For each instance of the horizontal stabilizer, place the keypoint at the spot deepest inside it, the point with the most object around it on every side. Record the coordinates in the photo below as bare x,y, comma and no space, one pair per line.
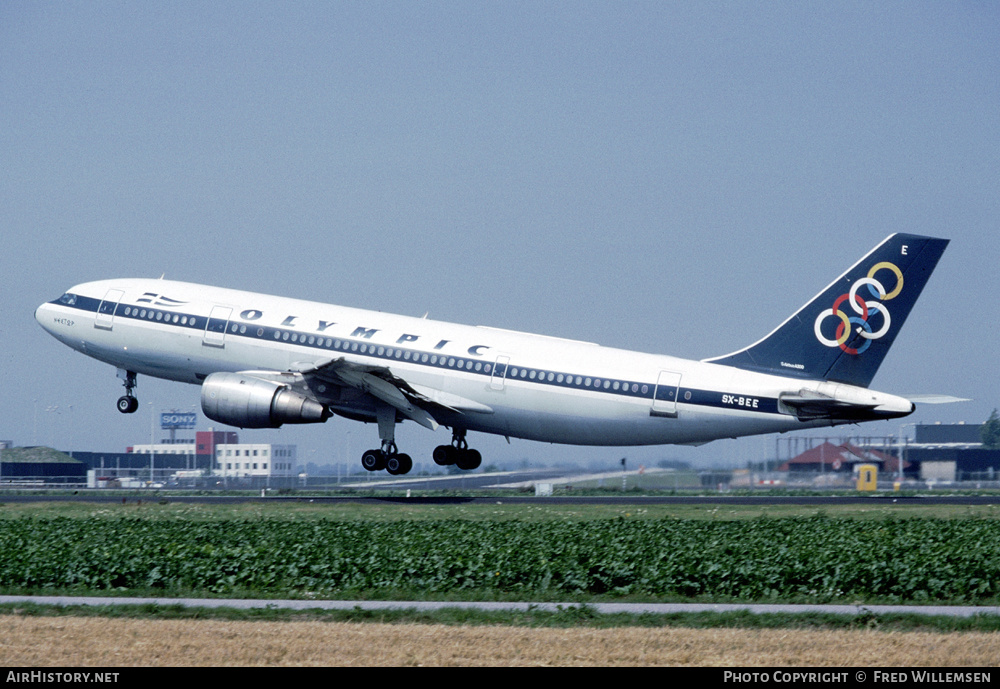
935,399
811,405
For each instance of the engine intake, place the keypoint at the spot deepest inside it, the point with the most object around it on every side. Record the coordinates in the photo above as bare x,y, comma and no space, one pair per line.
248,402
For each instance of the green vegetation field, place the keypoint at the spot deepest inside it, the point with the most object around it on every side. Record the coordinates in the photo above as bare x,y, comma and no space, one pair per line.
501,552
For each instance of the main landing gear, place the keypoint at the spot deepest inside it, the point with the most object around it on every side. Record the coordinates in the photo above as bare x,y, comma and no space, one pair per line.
397,463
127,403
458,453
387,458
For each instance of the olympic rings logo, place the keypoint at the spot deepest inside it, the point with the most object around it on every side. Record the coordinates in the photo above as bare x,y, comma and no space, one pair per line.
859,323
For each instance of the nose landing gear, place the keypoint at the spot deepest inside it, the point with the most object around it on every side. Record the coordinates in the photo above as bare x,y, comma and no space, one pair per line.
127,403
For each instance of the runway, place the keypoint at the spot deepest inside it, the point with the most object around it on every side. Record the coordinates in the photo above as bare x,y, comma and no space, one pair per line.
102,496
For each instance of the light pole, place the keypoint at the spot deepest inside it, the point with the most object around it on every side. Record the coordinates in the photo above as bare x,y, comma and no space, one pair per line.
152,420
51,409
901,455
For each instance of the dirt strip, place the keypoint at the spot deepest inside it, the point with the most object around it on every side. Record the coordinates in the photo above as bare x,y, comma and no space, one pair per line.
98,642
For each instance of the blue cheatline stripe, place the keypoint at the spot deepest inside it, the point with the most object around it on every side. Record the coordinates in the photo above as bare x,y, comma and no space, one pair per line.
361,347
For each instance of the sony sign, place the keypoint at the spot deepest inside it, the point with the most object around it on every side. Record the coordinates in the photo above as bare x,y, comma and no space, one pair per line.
178,420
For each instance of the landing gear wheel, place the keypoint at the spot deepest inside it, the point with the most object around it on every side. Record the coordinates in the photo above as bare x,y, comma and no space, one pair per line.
444,455
458,453
373,460
468,460
399,464
388,456
127,404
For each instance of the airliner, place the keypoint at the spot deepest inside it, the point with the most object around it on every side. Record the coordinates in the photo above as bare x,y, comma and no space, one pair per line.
263,361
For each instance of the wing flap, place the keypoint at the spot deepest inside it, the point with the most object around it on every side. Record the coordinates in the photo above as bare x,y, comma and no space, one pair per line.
388,393
377,381
451,401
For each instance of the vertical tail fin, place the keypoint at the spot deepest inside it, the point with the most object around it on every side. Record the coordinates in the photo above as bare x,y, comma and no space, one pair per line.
845,331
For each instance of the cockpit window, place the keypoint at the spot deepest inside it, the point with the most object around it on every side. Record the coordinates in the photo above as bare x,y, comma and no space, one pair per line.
68,299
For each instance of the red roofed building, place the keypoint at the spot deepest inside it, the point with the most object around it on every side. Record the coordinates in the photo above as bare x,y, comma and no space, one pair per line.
839,458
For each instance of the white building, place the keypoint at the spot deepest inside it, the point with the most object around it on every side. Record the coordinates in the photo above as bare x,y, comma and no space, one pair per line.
254,460
233,460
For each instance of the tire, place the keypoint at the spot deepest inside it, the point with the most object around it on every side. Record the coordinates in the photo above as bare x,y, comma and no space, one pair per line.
444,455
399,464
373,460
469,460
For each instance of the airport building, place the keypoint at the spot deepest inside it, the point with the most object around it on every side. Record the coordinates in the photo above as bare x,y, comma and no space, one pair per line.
843,457
183,456
221,454
952,452
936,453
209,459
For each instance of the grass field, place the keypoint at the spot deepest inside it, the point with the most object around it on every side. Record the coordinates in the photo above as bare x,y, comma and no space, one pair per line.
260,548
161,507
882,553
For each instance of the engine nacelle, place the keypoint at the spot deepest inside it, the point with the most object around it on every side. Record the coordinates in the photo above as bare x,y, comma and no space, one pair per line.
248,402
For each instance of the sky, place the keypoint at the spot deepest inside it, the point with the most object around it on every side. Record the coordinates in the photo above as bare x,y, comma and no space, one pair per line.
670,177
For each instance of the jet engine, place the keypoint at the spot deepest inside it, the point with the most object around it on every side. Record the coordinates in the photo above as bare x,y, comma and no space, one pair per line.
240,400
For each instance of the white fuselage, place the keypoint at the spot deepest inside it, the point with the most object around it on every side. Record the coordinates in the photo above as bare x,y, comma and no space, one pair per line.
496,381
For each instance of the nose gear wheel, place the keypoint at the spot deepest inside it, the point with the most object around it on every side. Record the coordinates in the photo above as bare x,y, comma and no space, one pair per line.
127,403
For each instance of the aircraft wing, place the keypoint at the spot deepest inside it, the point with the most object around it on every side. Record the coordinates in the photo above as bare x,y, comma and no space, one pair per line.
416,402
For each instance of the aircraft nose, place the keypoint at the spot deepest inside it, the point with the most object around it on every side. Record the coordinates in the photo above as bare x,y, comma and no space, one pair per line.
40,315
43,314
